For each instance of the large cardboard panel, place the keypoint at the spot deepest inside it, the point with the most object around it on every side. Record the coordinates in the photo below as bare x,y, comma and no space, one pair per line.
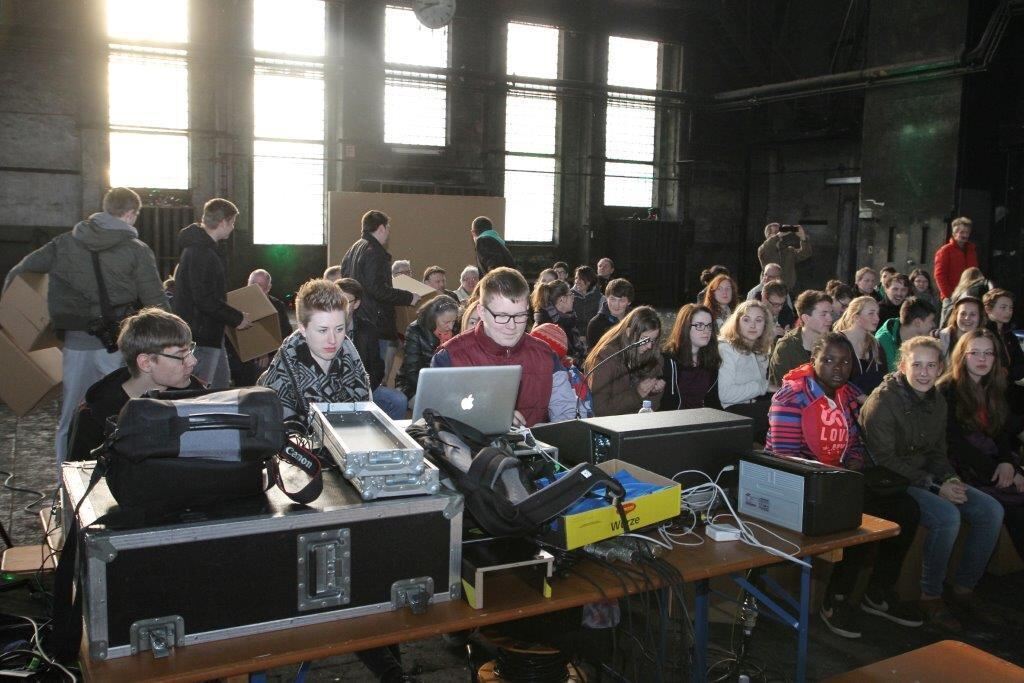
24,312
427,230
265,334
404,315
28,377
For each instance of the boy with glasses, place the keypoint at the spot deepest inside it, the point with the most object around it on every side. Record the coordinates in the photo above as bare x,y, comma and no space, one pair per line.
504,309
159,354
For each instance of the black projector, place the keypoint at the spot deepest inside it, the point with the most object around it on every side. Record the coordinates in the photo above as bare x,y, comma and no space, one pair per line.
665,442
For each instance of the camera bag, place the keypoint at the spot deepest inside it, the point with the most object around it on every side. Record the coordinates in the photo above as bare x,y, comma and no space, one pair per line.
503,496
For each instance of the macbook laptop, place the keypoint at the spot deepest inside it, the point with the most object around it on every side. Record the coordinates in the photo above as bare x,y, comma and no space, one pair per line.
483,397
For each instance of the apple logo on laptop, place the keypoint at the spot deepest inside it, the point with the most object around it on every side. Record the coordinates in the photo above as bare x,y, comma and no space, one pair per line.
467,403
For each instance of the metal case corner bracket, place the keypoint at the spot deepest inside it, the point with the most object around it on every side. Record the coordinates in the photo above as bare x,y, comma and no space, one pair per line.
159,635
415,593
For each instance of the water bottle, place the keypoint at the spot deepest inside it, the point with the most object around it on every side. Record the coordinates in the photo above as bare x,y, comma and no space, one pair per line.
646,408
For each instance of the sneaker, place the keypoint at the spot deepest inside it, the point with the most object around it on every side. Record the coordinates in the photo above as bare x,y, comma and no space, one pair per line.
937,614
886,604
839,617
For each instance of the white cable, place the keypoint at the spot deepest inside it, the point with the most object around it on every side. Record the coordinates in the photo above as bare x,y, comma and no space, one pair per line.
38,649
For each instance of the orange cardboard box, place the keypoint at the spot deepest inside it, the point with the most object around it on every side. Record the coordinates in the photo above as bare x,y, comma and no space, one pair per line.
29,377
24,313
265,334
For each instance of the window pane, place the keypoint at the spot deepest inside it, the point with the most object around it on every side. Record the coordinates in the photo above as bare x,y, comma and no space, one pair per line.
289,26
288,193
147,90
628,184
632,63
164,21
532,50
629,132
529,199
149,160
407,41
415,112
288,106
530,124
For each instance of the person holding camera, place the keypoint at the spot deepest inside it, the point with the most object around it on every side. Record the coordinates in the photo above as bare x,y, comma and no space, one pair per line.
107,241
778,248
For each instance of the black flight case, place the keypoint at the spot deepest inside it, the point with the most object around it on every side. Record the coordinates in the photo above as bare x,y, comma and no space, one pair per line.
259,565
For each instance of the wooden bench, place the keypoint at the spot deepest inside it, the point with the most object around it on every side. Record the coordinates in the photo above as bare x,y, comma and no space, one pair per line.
947,660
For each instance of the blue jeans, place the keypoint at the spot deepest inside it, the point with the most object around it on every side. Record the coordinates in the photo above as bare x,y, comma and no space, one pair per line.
942,518
392,401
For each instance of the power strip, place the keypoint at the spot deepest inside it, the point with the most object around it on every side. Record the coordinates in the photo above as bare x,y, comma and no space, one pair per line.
722,532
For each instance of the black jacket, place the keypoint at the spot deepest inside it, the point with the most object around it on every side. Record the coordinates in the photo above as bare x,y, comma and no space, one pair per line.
103,399
673,397
369,263
420,345
585,305
973,453
599,324
200,288
491,254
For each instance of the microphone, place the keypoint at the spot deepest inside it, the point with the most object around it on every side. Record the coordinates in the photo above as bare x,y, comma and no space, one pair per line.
639,342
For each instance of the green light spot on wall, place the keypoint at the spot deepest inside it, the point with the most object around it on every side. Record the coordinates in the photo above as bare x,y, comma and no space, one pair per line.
281,256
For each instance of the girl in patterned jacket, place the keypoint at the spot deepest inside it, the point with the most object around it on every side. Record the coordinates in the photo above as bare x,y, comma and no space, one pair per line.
318,362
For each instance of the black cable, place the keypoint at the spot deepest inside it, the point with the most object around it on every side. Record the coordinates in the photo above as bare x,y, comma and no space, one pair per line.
531,667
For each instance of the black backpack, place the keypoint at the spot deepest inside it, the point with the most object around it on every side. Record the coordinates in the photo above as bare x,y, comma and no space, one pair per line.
501,491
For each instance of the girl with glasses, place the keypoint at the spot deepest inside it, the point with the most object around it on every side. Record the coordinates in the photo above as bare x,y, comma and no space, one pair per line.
691,361
981,446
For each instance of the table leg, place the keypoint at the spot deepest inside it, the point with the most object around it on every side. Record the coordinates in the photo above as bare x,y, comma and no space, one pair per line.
700,633
805,608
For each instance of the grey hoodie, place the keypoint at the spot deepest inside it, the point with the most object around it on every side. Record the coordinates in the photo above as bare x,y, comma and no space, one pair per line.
127,263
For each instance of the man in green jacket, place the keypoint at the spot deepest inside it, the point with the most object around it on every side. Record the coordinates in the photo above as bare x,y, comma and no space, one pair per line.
917,318
129,274
794,348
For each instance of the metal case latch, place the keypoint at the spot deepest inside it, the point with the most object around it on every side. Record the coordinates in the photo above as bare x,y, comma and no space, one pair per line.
324,561
158,635
414,593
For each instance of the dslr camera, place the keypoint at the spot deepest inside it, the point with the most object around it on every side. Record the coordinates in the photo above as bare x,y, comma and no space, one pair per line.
106,331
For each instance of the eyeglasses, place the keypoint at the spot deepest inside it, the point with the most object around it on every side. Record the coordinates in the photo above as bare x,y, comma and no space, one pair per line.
981,354
700,327
506,318
190,352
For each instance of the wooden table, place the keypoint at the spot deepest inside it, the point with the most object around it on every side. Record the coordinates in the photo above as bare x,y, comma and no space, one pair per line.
507,601
947,660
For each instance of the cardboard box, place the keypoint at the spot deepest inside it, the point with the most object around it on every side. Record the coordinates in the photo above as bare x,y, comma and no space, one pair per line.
265,334
575,530
25,314
29,377
404,315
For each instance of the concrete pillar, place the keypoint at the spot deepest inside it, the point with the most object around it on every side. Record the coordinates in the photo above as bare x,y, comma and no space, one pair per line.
911,136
